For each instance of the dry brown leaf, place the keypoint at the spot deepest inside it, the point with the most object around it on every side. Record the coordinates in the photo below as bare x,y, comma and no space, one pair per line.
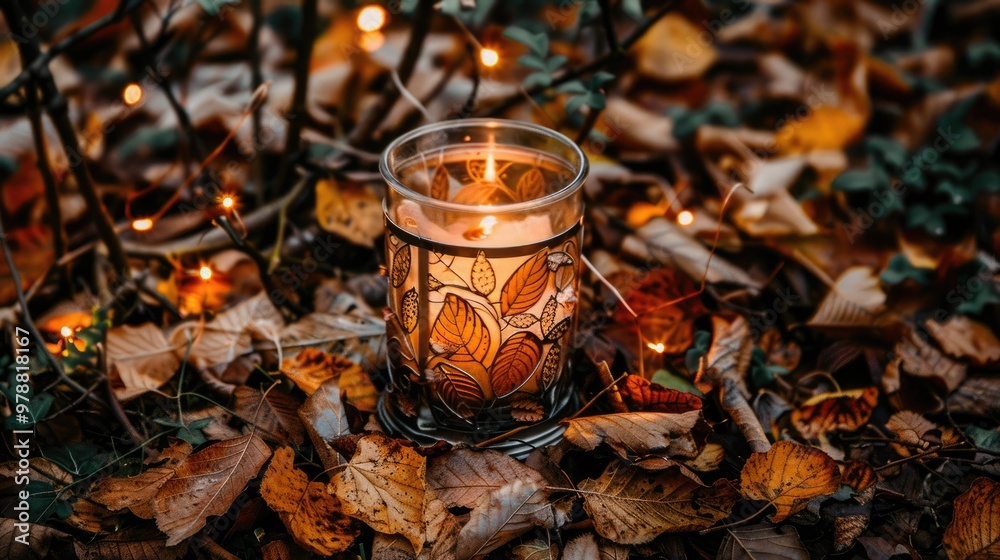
502,515
537,549
350,210
40,540
273,412
729,355
230,334
142,359
358,390
917,434
634,434
828,412
674,50
384,486
632,506
763,542
311,367
920,359
788,476
392,547
206,484
963,337
855,300
633,127
974,532
462,477
582,547
134,543
137,492
664,242
767,207
779,352
325,421
673,325
311,514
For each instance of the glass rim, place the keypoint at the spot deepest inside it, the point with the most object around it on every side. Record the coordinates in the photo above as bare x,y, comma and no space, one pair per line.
574,184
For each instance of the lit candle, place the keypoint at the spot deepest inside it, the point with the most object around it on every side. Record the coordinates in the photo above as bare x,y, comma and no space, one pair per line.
483,234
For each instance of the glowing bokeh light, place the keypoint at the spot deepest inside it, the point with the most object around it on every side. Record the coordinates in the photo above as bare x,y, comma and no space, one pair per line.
489,57
371,18
132,94
685,218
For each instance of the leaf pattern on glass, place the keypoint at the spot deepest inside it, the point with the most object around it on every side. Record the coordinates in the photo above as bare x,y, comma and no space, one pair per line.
400,266
440,184
433,283
531,185
459,332
525,287
408,308
477,194
484,280
559,329
459,390
522,320
557,259
550,367
549,314
515,362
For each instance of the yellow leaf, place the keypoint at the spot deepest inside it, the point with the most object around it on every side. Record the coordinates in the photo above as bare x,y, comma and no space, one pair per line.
825,128
974,533
788,476
349,210
674,49
358,390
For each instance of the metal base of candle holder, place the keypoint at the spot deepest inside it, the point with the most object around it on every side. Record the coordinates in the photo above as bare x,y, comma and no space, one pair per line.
423,430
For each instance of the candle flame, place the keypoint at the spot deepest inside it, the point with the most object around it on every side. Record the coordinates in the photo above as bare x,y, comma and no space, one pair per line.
487,225
490,174
205,273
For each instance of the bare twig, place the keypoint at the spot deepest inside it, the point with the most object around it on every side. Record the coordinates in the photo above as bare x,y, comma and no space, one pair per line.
30,52
45,169
390,94
299,112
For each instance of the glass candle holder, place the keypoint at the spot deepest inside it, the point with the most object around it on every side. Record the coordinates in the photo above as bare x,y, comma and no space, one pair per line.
483,233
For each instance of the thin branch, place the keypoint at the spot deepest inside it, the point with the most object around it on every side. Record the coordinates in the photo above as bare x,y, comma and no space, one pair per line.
57,107
390,94
45,169
592,66
297,117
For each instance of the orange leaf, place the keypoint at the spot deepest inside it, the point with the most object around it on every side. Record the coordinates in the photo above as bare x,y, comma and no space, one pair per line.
825,128
311,367
642,395
515,362
788,476
974,532
845,410
525,287
459,332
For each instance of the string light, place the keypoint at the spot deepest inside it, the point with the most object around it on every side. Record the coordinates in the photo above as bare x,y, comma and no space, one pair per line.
205,273
489,57
228,202
658,347
371,42
66,331
142,224
371,18
685,218
132,94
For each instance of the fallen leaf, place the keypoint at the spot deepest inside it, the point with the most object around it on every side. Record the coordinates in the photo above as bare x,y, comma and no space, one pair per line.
39,539
855,300
788,476
206,484
828,412
350,210
583,547
641,395
974,532
728,356
272,411
137,492
325,420
762,542
311,514
383,485
641,433
963,337
917,434
978,395
142,359
134,543
672,325
358,390
33,252
311,367
673,50
824,128
920,359
632,506
502,515
230,334
537,549
462,477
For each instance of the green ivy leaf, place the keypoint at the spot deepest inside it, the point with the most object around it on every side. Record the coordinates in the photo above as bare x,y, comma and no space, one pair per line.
573,86
899,270
537,42
555,62
986,439
633,9
889,152
532,60
762,374
541,79
982,53
673,381
957,194
858,180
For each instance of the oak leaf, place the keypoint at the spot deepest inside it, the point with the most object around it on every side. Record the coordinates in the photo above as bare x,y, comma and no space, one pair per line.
974,532
384,486
633,506
788,476
142,359
641,433
206,484
311,514
828,412
502,515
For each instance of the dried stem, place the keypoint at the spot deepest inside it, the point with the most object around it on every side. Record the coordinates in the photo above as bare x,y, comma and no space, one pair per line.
299,112
45,169
390,94
737,407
